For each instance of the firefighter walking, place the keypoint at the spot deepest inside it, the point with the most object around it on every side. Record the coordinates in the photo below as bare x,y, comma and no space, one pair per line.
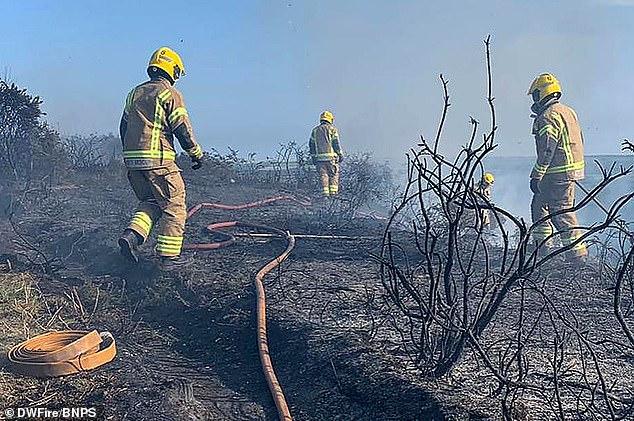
153,115
560,163
326,153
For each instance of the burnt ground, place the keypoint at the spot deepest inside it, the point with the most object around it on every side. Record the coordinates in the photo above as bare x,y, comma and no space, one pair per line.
186,341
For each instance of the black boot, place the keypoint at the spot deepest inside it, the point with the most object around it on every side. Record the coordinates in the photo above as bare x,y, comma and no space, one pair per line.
175,263
129,245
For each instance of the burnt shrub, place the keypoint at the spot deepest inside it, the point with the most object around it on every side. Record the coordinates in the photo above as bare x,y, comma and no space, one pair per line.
92,151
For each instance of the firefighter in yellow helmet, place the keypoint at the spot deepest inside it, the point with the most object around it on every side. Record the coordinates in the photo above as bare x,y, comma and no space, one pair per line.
326,153
484,187
153,115
560,163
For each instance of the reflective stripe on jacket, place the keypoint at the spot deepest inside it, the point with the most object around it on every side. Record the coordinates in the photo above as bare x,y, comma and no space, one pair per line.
559,144
324,142
153,110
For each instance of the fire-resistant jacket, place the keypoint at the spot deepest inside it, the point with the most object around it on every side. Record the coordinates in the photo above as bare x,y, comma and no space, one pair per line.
485,189
559,144
153,111
324,142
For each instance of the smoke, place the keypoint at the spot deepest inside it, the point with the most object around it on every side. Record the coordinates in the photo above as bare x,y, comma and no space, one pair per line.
511,190
377,67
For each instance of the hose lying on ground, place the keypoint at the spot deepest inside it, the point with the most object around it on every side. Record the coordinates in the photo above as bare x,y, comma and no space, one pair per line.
263,348
63,352
303,202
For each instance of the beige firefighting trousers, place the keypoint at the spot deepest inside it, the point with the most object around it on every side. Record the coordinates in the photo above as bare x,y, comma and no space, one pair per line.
555,197
329,177
162,195
485,217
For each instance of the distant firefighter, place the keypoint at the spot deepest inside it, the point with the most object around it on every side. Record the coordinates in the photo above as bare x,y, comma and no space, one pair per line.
560,163
154,113
326,153
484,187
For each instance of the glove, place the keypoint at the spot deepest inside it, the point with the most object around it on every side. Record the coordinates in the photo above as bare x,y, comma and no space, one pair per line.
198,163
340,158
195,153
535,186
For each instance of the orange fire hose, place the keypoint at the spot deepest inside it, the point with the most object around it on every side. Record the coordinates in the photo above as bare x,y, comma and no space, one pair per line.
303,202
263,348
62,353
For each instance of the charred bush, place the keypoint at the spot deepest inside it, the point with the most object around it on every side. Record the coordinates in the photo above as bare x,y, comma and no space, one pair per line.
364,184
288,168
449,285
93,151
291,166
222,167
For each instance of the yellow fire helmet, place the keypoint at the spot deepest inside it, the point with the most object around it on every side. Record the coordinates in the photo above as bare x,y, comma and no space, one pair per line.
169,61
488,178
327,116
544,85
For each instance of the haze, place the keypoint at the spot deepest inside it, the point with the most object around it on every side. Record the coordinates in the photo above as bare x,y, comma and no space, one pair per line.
259,72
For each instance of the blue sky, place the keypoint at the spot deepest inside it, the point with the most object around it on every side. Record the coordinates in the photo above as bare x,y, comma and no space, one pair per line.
259,72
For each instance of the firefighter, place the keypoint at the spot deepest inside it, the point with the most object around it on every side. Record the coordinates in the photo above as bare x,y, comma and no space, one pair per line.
484,188
326,153
153,115
560,163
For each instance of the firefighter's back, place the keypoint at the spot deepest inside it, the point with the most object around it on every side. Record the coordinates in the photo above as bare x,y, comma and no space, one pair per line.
568,160
142,113
323,136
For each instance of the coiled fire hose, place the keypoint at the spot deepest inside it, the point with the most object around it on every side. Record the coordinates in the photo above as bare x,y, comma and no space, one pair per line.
61,353
263,348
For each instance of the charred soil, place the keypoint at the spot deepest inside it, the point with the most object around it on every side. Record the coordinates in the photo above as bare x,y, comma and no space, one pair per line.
187,341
